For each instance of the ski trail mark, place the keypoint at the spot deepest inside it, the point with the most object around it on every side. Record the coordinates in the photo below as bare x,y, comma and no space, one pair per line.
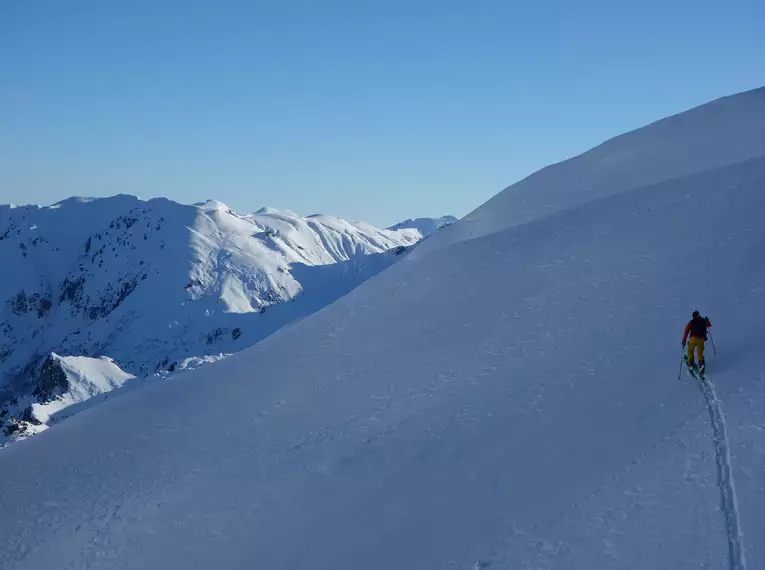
728,500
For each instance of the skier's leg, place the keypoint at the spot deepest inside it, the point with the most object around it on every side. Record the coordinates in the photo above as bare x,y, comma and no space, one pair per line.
691,351
700,351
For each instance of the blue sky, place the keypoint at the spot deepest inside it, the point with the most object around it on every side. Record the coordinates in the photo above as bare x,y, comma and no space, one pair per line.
375,110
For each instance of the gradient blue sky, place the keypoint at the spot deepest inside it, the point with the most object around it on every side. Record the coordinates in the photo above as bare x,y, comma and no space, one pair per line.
375,110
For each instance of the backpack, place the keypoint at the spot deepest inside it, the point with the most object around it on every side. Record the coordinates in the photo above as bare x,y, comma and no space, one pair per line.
699,327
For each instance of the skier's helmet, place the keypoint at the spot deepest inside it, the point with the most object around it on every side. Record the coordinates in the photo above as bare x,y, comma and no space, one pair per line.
696,314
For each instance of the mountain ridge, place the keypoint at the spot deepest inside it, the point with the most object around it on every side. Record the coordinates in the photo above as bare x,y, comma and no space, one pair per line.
159,286
674,145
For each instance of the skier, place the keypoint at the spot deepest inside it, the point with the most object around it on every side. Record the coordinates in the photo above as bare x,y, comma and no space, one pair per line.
697,328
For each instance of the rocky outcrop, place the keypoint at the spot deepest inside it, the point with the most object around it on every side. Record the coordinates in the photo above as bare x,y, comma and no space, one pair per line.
51,382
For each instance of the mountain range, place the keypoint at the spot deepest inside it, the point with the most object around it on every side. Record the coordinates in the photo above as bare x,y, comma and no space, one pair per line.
157,287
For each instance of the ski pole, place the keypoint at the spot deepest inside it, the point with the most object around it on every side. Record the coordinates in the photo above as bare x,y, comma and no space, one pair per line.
713,343
679,372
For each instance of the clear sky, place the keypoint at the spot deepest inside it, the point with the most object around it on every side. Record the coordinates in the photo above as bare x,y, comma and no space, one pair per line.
367,109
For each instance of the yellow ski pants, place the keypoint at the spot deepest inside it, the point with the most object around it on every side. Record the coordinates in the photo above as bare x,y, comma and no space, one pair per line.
697,344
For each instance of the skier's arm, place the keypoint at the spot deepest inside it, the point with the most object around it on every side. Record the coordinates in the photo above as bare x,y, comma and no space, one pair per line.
709,323
687,331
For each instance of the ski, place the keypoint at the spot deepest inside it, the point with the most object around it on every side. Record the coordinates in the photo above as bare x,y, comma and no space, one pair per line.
697,374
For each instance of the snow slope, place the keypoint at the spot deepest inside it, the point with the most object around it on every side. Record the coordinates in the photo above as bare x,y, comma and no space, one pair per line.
509,401
722,132
160,286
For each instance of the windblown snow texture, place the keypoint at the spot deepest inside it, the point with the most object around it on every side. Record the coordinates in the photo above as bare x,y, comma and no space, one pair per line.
506,401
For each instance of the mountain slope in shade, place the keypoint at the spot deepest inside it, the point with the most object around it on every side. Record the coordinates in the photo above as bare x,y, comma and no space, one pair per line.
159,286
510,401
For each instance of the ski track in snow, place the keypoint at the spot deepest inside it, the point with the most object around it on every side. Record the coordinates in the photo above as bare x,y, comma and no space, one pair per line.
728,500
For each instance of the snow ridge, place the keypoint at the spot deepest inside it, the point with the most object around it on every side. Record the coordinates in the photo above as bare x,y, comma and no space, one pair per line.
426,226
728,499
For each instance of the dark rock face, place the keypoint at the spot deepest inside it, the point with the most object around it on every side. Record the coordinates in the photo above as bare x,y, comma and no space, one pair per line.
113,298
28,417
43,308
71,290
19,303
214,335
51,382
5,351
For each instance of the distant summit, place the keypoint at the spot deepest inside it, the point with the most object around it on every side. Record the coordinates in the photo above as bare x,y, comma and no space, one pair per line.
426,226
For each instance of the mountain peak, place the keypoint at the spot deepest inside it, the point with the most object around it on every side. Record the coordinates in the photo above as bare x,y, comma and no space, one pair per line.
213,206
426,226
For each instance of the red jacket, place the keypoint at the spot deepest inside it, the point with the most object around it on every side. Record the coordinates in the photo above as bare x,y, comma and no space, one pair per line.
690,324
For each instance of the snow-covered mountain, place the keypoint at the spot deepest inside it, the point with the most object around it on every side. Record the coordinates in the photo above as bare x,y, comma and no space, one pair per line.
672,147
508,401
72,380
425,226
159,286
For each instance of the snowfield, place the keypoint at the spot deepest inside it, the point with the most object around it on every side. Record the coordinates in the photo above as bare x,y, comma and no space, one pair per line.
505,397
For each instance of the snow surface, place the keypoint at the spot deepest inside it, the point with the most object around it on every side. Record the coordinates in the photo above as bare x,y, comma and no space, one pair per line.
426,226
160,286
509,401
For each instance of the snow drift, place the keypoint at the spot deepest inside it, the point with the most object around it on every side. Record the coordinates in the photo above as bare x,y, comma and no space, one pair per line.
509,401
